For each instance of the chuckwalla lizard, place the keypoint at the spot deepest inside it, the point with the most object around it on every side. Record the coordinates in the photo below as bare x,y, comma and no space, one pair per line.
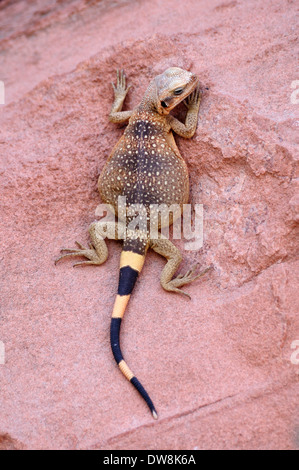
145,166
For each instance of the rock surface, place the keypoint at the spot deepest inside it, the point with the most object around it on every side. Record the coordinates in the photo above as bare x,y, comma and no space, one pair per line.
218,367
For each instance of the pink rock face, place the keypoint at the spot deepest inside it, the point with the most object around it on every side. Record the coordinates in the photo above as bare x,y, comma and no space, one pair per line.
222,368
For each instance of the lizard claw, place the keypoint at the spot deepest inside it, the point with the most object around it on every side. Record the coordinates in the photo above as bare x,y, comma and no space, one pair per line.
80,246
180,291
120,89
183,279
84,263
194,99
190,274
90,254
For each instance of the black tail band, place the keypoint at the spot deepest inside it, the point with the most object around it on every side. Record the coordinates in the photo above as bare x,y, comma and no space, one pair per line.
127,279
114,339
143,393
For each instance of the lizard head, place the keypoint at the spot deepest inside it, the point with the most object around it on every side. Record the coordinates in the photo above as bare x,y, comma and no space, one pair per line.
173,86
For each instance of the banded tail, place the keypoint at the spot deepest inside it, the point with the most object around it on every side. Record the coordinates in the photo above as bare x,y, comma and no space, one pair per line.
130,266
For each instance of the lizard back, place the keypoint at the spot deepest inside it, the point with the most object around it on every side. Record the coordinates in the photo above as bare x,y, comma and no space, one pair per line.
144,168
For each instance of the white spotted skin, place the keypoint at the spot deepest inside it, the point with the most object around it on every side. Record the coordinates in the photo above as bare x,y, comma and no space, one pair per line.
144,166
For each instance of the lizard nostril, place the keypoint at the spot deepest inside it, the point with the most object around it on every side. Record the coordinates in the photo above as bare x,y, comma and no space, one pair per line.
164,104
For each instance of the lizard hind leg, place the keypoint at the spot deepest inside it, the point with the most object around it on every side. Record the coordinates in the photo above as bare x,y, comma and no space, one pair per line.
166,248
97,253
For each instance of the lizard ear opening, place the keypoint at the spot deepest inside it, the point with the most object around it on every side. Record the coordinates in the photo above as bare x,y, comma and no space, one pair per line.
164,104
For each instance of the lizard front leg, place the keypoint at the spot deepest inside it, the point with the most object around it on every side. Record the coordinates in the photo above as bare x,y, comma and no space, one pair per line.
166,248
120,91
188,129
97,253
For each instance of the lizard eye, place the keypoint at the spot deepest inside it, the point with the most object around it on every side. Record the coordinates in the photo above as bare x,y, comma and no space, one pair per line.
178,91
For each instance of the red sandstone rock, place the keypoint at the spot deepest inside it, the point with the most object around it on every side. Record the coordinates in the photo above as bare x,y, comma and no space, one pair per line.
218,367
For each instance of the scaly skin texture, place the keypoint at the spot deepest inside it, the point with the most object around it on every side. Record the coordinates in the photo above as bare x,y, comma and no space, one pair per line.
146,167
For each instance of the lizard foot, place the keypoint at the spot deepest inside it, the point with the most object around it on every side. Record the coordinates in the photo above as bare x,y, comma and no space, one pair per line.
90,254
120,90
194,99
183,279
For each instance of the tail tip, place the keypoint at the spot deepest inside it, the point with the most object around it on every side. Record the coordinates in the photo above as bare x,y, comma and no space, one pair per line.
154,413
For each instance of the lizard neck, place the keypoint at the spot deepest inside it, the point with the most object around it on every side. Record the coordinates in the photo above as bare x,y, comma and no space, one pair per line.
148,102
